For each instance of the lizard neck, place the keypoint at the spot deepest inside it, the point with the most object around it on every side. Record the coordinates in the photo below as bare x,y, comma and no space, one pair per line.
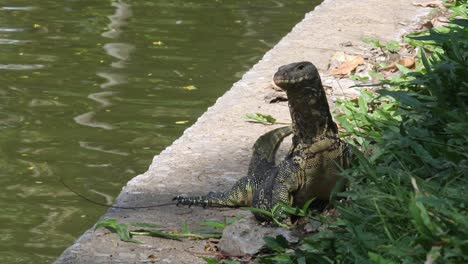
310,113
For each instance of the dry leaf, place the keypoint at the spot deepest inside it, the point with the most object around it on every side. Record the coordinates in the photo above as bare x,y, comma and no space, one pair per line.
181,122
189,88
348,66
407,62
436,22
339,56
439,22
435,3
427,25
212,245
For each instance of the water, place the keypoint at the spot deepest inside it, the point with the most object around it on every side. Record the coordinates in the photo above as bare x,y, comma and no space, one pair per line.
91,90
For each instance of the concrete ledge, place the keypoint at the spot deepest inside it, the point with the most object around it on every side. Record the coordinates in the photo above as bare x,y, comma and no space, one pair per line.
215,151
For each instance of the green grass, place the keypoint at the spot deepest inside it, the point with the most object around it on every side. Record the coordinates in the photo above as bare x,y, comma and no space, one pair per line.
126,232
407,200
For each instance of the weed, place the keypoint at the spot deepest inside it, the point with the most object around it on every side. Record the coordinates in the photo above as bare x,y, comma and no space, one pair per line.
126,233
407,195
261,118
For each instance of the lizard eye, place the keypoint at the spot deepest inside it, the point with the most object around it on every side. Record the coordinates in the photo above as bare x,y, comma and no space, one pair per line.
300,67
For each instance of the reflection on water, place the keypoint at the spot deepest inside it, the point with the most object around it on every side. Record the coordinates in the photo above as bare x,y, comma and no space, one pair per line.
11,29
20,66
118,19
120,51
12,41
91,90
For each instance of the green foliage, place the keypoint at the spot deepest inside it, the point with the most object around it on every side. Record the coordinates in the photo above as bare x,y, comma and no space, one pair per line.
280,212
214,261
210,260
392,46
275,214
407,195
223,224
121,229
358,78
147,229
261,118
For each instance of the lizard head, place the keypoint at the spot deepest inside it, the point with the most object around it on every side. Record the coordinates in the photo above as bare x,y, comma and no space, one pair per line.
296,75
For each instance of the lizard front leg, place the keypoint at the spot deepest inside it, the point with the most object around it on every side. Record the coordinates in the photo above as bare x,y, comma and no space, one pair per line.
278,188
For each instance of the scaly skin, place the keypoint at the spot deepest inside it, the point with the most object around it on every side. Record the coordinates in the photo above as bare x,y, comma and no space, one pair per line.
310,170
261,166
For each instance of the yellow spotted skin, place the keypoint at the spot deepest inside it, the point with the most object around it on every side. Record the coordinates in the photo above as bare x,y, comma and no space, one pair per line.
310,170
261,166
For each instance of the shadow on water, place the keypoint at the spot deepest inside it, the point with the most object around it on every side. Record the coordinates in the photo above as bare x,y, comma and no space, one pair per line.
91,90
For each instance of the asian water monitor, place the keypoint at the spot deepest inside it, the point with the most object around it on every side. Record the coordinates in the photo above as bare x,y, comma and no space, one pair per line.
311,168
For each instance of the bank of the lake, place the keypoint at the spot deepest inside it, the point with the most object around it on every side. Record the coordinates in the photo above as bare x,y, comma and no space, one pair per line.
215,151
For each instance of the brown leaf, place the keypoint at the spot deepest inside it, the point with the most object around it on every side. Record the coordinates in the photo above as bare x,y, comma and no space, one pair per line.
439,22
407,62
212,245
435,3
348,66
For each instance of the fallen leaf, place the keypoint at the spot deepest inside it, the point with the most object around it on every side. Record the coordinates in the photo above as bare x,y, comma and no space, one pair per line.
181,122
435,3
427,25
389,67
339,56
348,66
439,22
407,62
261,118
212,245
189,88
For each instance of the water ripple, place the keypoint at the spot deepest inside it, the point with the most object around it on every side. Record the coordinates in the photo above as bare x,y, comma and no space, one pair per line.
12,41
101,98
86,119
111,79
120,51
21,66
118,19
17,8
87,145
109,199
11,29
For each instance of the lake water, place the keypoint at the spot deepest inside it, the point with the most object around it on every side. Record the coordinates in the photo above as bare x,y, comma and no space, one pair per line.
90,91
